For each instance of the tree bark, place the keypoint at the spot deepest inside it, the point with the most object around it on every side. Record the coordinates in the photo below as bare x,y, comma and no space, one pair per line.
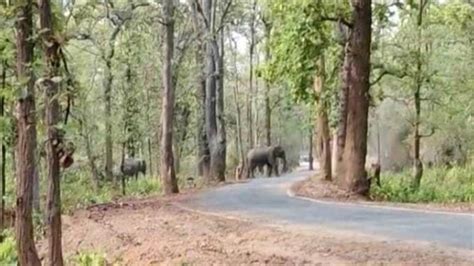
250,97
168,175
322,125
417,164
26,141
268,109
355,149
215,128
55,139
108,80
3,150
203,156
340,138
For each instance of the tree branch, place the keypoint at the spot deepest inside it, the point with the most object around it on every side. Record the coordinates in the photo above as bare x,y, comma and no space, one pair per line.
338,19
432,131
224,15
387,72
201,12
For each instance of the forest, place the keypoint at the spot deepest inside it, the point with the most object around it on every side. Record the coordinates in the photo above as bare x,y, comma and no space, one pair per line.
107,100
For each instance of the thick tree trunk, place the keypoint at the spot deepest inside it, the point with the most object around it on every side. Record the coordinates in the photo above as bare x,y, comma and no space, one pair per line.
355,149
108,80
322,125
221,130
26,141
55,139
203,155
168,175
215,128
340,137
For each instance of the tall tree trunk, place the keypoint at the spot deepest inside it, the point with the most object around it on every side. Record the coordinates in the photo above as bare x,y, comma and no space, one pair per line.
238,111
355,149
55,139
108,123
340,138
215,128
268,109
203,156
322,125
417,164
3,151
108,80
251,96
221,130
26,141
168,175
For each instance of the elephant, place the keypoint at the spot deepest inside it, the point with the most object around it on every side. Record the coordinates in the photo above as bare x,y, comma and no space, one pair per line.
132,166
261,156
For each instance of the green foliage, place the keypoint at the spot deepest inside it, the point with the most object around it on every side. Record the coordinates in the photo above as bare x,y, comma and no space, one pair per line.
143,187
8,254
441,185
298,41
89,259
78,192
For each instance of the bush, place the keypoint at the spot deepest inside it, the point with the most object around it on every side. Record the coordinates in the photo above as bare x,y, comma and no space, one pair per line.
78,192
8,250
440,184
89,259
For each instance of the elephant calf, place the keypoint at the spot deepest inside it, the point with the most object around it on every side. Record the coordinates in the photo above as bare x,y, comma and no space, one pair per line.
261,156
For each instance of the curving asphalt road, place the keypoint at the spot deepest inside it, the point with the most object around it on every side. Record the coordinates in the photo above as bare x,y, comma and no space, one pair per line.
267,198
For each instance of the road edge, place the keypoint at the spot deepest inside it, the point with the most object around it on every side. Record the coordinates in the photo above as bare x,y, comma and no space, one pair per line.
292,194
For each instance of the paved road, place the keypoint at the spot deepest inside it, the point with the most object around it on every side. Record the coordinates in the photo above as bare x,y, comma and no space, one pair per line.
267,198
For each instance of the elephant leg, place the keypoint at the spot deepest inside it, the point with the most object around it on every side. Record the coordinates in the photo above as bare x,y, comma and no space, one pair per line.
250,171
270,170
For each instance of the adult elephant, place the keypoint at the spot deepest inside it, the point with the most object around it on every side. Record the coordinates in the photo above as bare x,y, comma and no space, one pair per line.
261,156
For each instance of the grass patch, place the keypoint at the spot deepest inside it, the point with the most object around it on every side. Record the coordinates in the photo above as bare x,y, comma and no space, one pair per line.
439,185
89,259
8,254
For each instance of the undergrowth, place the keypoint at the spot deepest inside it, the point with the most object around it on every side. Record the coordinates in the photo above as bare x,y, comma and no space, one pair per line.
78,191
8,254
439,185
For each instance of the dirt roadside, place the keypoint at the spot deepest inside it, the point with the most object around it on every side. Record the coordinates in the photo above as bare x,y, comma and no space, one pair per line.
158,232
324,190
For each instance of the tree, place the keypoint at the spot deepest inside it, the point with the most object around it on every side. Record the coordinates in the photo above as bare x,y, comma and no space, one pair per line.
26,141
323,138
168,174
355,149
54,143
214,104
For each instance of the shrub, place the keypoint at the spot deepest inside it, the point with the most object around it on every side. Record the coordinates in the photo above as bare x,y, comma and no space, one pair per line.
440,184
8,254
89,259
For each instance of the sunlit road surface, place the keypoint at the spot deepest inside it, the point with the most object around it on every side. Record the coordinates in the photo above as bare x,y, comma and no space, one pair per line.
267,199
